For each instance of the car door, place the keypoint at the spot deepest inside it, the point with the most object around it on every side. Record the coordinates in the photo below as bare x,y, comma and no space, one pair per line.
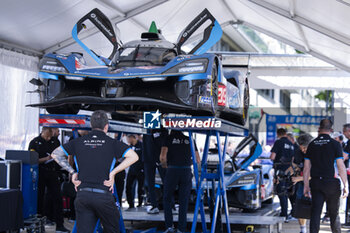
212,34
104,25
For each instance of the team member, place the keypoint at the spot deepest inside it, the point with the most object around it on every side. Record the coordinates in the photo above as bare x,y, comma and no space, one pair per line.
176,156
49,202
346,148
135,173
48,177
281,154
119,179
95,154
319,164
298,162
151,150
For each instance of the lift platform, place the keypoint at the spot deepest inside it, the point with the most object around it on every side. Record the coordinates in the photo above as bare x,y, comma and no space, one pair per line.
219,199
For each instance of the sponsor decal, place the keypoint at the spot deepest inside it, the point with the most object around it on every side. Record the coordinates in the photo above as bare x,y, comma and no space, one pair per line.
204,100
93,16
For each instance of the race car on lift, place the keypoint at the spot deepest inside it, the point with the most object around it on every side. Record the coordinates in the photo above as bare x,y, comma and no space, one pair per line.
145,75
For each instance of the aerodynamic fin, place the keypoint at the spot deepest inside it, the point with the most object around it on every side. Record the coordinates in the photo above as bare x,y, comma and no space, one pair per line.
255,151
103,25
210,36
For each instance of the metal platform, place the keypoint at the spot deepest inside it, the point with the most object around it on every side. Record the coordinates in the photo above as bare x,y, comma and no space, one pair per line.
264,217
219,199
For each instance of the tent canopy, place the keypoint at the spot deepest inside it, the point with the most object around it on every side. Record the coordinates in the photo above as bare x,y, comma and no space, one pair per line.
319,28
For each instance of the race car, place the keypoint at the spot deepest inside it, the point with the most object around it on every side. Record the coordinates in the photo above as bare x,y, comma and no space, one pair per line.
247,185
145,75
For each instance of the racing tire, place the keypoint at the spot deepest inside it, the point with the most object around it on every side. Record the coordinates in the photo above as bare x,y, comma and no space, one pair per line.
268,201
246,100
214,72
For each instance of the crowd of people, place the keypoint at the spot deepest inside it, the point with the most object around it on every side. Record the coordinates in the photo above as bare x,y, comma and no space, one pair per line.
66,172
313,169
95,164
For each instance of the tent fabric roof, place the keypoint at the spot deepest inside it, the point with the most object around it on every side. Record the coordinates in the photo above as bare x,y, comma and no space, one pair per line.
317,27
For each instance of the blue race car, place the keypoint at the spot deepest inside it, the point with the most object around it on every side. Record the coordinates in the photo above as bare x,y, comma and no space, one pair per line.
145,75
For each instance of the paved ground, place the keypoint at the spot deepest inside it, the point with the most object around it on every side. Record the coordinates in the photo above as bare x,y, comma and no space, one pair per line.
291,227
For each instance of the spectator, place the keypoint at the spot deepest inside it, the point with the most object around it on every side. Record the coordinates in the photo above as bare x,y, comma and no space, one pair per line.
298,162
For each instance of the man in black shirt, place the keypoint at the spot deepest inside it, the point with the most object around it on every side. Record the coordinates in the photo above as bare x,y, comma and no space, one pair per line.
152,144
135,173
282,153
176,156
96,154
48,177
320,157
346,148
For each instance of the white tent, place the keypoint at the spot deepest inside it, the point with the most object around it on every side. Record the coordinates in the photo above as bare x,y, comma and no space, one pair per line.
318,27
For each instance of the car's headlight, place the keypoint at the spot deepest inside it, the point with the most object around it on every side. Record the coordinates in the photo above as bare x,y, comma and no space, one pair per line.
75,78
228,168
50,64
191,66
244,180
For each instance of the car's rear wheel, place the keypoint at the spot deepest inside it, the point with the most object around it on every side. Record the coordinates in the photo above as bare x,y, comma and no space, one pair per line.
246,100
214,90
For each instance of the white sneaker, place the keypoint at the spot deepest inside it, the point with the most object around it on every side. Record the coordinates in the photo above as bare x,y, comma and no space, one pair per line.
153,210
175,210
170,230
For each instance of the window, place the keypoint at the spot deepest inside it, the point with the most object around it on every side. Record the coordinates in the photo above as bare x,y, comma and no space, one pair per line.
285,99
268,93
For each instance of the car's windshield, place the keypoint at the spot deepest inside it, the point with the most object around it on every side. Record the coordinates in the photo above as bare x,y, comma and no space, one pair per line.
144,56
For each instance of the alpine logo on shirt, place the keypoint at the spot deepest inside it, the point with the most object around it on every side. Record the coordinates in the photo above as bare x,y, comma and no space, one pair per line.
94,143
180,141
288,146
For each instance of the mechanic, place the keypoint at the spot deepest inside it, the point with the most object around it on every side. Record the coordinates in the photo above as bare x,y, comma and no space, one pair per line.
176,157
282,153
298,163
49,202
95,154
152,144
135,173
320,157
119,178
346,149
48,177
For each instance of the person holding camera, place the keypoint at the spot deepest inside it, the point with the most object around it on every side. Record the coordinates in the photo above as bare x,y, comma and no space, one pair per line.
281,154
320,157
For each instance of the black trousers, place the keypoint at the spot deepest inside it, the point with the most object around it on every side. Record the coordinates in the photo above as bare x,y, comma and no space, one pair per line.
119,181
49,180
150,173
131,186
181,178
90,207
325,190
282,191
347,209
